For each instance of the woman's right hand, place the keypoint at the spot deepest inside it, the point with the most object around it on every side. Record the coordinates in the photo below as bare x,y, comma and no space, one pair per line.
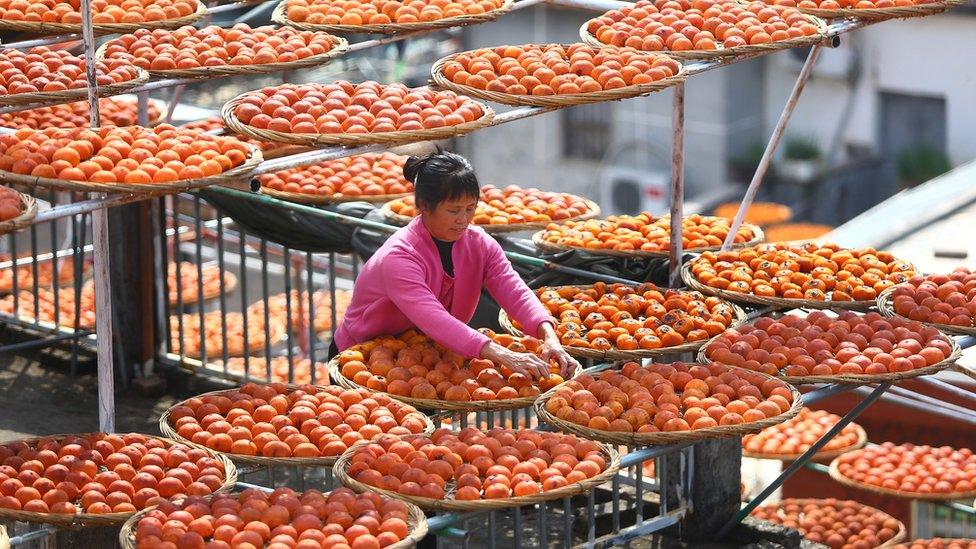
526,364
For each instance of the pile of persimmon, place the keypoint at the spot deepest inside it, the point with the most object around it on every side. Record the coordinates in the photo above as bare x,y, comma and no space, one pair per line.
683,25
188,288
377,12
278,307
212,123
133,155
361,175
815,272
797,435
557,69
939,543
52,308
786,232
939,299
832,522
512,205
41,69
495,464
846,4
823,345
102,473
62,11
44,269
644,232
257,369
626,318
669,397
413,365
344,107
219,327
276,421
10,204
340,519
760,213
911,469
190,48
113,111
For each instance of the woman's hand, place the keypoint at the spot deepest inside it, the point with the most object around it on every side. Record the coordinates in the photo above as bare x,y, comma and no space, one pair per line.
526,364
552,349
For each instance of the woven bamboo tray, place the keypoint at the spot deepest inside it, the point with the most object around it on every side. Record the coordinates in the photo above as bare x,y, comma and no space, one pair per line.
416,529
169,431
339,47
45,28
308,198
234,176
885,305
450,504
880,14
592,210
862,439
428,404
86,520
846,481
281,17
758,238
776,302
29,207
551,101
899,535
751,49
189,295
349,139
44,98
669,437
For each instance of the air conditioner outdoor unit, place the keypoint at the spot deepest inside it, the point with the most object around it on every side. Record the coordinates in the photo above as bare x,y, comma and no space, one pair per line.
629,191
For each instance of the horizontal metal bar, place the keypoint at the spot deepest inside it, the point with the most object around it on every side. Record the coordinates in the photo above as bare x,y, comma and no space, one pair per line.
86,206
647,527
916,405
934,402
45,342
43,532
249,486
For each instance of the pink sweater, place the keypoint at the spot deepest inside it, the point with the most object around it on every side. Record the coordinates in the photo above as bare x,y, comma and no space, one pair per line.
404,286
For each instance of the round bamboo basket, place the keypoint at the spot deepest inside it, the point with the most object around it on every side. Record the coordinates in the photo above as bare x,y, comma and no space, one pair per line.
322,139
450,504
551,101
28,213
280,16
169,431
751,49
308,198
862,439
885,305
899,535
230,177
86,520
189,295
47,98
863,379
428,404
664,437
339,47
45,28
758,238
776,302
592,210
880,14
846,481
416,529
965,541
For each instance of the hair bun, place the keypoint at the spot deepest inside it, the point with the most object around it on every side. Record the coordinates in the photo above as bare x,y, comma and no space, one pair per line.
413,166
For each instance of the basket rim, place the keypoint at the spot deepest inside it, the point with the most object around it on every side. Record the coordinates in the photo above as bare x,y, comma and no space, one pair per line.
40,99
862,440
886,306
613,465
593,210
280,16
26,217
932,496
879,14
48,28
898,537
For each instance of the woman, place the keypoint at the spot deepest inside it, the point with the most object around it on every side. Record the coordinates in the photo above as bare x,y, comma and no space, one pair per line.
429,275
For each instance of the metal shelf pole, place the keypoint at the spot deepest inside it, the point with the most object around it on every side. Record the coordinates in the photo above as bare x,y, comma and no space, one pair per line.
677,184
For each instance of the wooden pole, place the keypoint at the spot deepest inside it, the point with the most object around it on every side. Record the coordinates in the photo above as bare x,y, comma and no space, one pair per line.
677,184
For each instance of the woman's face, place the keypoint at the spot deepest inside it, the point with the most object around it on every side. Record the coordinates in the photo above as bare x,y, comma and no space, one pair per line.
450,218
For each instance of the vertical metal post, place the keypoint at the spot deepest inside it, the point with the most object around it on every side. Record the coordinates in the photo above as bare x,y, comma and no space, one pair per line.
677,184
774,140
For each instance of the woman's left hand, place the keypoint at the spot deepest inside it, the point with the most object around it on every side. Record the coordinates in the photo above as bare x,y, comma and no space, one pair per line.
552,349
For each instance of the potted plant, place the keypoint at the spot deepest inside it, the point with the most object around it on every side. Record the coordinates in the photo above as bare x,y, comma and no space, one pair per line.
802,159
919,164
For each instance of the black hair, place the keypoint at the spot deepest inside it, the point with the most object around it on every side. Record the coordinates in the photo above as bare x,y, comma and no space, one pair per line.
440,176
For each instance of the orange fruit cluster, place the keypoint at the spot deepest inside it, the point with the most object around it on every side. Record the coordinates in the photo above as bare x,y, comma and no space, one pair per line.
10,204
626,317
911,469
41,69
133,155
344,107
300,310
555,69
786,232
495,464
512,205
759,213
799,433
189,47
258,368
340,519
275,421
644,232
378,12
820,344
103,11
846,4
102,473
361,175
188,289
217,327
413,365
212,123
45,270
114,111
60,311
938,543
683,25
939,299
832,522
669,397
816,272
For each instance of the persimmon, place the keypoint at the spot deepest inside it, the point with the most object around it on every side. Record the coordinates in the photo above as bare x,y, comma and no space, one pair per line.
10,204
911,469
364,176
41,69
832,522
62,11
372,12
945,299
938,543
321,302
866,5
795,436
114,111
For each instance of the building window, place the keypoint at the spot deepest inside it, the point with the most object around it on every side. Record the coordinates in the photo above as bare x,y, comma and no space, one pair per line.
587,130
